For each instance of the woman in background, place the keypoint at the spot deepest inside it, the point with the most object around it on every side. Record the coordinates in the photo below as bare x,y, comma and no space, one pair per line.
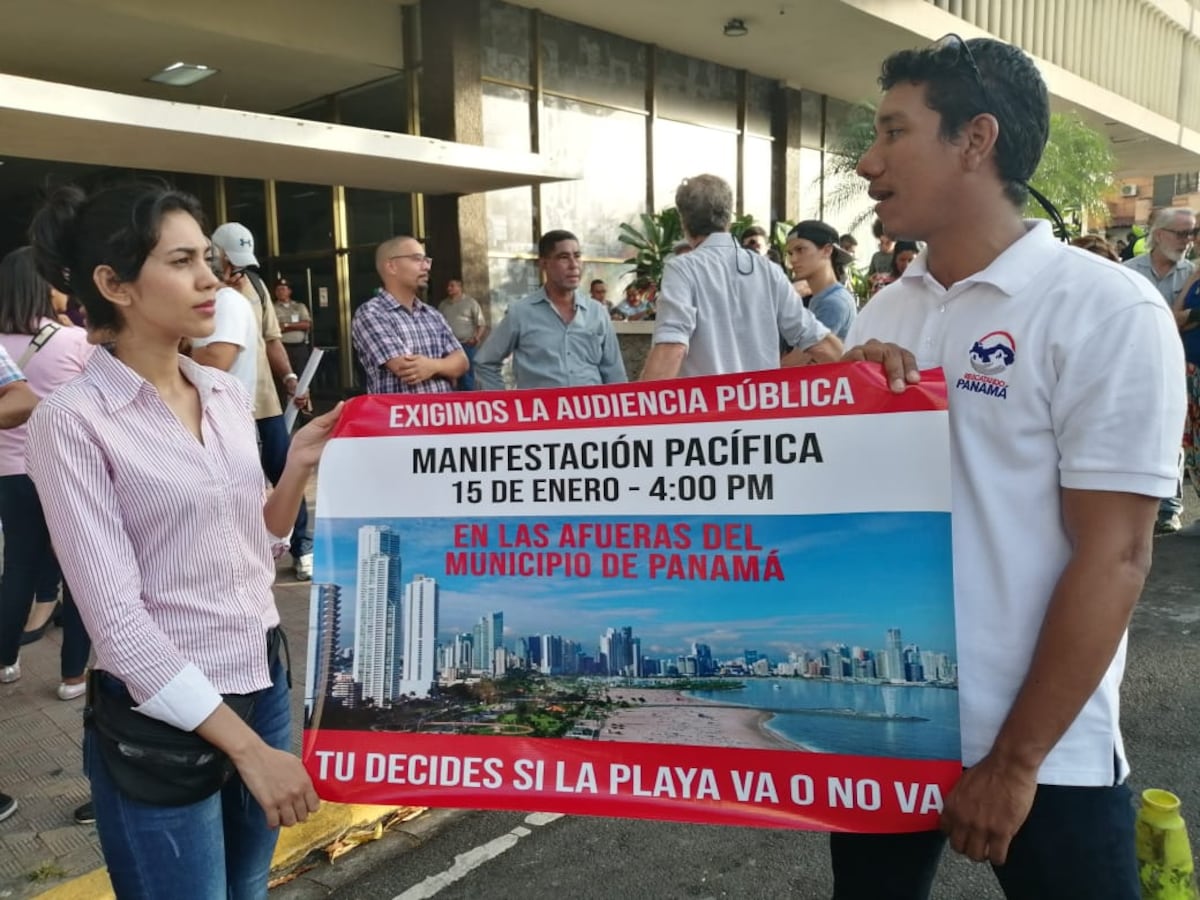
903,253
50,355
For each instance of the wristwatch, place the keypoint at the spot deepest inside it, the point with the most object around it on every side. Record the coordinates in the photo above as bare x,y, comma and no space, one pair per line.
290,376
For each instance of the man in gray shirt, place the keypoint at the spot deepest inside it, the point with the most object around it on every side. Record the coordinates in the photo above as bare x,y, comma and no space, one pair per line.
723,309
1171,235
558,336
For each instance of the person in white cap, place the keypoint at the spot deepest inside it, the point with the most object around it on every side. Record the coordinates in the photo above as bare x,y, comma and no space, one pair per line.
234,245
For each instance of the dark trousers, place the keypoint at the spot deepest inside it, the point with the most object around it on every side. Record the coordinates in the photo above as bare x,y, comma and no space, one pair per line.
1077,843
273,450
466,381
29,564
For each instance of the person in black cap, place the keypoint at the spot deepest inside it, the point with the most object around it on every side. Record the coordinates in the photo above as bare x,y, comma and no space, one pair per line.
816,256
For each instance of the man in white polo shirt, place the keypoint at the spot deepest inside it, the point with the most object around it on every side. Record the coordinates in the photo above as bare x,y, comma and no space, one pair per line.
1066,400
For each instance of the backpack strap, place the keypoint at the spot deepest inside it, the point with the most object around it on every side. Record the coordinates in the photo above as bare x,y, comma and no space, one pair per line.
40,340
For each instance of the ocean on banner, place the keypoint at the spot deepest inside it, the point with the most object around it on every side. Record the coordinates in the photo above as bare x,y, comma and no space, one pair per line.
913,721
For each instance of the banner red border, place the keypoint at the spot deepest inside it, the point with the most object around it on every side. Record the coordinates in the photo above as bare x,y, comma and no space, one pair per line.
409,756
802,392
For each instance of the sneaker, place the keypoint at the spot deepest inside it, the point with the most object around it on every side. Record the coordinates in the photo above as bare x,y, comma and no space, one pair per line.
71,691
8,806
9,674
304,567
1170,525
86,814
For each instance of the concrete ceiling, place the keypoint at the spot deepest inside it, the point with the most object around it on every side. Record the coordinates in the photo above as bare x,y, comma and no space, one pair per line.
277,54
45,120
835,47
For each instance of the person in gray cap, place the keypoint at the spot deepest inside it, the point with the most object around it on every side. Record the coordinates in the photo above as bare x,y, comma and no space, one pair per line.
233,247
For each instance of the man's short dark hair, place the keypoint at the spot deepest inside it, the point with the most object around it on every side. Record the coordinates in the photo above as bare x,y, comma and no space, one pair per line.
596,281
848,239
552,239
753,231
1015,94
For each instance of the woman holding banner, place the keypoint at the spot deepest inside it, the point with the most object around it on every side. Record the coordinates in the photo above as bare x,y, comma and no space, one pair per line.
147,468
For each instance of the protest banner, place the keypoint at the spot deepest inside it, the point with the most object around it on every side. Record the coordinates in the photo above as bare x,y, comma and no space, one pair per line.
723,599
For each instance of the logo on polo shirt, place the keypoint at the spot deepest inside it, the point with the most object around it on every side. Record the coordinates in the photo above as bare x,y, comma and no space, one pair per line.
990,357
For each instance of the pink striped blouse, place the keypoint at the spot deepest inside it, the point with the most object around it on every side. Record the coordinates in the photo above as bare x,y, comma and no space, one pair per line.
160,536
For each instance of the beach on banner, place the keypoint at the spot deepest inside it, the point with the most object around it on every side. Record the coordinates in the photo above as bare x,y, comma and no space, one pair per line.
671,717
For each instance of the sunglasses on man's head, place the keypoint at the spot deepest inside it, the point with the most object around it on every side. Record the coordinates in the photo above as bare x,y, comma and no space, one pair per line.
953,43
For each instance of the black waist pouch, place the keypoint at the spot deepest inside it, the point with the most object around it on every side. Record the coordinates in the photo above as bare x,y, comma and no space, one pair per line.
151,761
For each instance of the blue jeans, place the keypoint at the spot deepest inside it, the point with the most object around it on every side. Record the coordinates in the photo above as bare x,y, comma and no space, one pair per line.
1076,842
217,849
273,449
466,381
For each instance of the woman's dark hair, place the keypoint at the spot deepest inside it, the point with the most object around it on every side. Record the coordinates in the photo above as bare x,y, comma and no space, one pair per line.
118,226
24,294
902,247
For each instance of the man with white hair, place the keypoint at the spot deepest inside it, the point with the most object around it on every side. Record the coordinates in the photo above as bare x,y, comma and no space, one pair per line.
723,308
1171,235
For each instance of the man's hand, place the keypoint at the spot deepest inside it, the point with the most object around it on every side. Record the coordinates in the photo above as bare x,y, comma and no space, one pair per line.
414,368
987,807
899,365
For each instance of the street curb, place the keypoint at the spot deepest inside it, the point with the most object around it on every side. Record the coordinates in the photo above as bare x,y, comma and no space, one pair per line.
327,825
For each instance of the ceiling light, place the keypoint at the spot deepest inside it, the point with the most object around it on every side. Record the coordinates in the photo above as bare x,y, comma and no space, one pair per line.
182,74
736,28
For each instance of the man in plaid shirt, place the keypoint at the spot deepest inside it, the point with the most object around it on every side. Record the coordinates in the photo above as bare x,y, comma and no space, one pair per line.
404,344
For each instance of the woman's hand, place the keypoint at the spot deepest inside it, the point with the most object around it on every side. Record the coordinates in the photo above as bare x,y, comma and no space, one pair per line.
309,442
280,784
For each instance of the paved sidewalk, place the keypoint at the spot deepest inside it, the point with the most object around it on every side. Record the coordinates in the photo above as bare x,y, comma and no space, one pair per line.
40,735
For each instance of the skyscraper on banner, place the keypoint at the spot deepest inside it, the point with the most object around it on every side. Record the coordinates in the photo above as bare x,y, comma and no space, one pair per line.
377,646
420,636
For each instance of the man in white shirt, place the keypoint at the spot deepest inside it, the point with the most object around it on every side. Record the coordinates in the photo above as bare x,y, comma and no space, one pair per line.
233,345
723,308
1066,399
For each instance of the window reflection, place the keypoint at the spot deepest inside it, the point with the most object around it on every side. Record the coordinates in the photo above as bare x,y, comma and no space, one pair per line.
811,168
584,62
609,147
682,150
375,216
756,182
380,105
504,36
305,217
246,202
695,90
510,279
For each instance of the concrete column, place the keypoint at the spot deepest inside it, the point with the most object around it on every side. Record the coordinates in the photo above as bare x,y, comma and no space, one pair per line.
451,97
785,156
